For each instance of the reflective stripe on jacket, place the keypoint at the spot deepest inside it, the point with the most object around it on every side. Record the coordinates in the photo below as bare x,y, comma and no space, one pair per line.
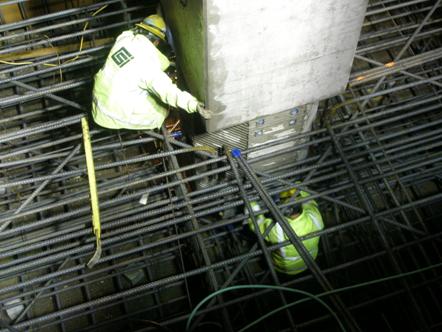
132,91
287,259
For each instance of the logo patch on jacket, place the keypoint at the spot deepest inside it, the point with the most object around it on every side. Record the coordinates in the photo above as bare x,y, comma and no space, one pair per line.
121,57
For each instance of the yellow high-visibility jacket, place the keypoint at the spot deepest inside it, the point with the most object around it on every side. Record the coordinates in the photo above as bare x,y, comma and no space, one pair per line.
287,259
132,90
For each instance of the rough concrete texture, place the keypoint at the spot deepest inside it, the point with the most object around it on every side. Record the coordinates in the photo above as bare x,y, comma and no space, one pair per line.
251,43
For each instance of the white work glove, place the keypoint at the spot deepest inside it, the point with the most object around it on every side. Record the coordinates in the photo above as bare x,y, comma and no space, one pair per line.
205,113
254,205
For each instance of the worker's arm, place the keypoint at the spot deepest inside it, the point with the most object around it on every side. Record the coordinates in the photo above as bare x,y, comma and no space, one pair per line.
311,209
162,86
262,221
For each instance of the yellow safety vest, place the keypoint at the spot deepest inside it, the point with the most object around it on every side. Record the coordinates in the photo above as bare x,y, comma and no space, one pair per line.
287,259
132,91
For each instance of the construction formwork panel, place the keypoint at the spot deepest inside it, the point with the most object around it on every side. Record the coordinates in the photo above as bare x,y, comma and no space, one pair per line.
235,54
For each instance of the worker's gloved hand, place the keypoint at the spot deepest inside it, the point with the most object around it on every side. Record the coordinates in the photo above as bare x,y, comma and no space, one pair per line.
255,206
205,113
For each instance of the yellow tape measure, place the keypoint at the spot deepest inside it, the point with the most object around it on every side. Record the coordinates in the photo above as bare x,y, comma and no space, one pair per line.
93,191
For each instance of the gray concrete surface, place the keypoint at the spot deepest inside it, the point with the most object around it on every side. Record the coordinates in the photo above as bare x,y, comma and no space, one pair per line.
248,46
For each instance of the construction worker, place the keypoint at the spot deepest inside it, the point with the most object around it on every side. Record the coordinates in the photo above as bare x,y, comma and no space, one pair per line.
132,90
287,259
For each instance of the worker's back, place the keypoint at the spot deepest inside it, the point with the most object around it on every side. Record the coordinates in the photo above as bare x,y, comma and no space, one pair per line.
121,99
287,259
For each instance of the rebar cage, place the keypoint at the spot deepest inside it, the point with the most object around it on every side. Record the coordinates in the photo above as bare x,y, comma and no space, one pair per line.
374,167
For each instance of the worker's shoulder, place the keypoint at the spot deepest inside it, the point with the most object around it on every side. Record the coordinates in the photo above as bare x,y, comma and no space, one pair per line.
139,51
127,34
305,218
129,37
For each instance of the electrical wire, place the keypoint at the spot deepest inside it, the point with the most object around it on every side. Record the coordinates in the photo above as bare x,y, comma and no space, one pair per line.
25,63
58,58
216,324
13,63
289,305
310,296
292,290
22,63
82,37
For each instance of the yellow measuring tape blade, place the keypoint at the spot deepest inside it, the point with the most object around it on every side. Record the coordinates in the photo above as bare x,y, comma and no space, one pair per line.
93,191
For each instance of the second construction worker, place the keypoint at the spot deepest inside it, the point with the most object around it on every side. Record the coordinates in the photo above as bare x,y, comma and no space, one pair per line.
132,90
287,259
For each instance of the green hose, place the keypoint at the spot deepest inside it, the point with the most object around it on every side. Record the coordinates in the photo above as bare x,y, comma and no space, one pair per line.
310,296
